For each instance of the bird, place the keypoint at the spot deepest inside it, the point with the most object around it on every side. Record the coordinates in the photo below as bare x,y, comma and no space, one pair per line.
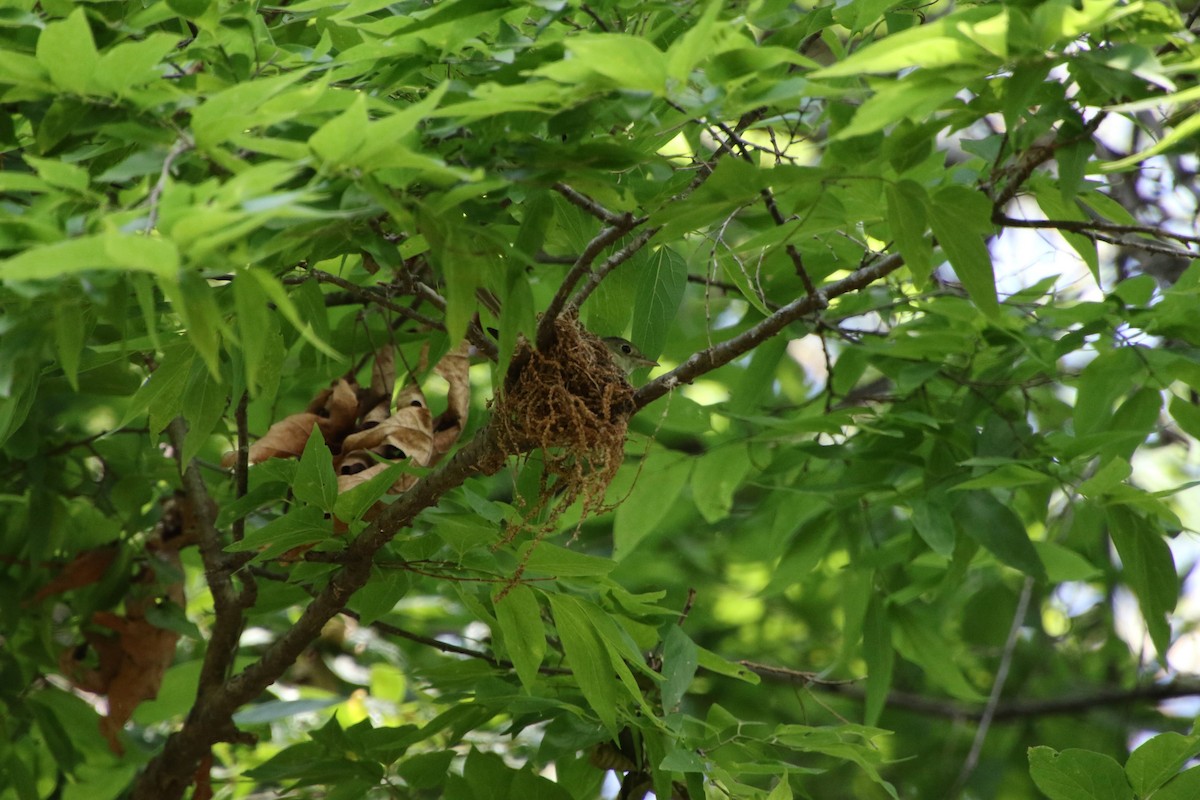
626,355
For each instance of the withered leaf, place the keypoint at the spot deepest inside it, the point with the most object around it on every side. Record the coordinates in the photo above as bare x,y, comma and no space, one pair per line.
334,411
449,425
85,569
143,653
407,433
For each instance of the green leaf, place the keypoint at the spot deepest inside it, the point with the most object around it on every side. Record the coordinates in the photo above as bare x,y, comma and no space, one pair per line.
934,523
1054,206
527,784
721,666
1107,478
997,527
879,657
58,173
426,770
447,13
960,218
1077,775
906,203
351,504
1186,416
915,96
336,141
203,406
1109,375
920,641
383,591
1064,565
716,477
680,660
108,251
274,290
193,300
524,633
300,526
587,658
192,9
696,44
253,320
627,61
384,136
1158,759
68,52
131,64
1148,569
661,479
550,559
662,277
70,324
463,532
316,482
162,393
969,36
246,105
1185,786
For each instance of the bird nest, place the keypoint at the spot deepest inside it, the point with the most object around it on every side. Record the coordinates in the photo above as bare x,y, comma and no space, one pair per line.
571,402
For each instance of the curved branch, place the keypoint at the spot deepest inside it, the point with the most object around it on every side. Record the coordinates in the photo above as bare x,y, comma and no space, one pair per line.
168,774
1088,226
581,200
583,265
1000,712
612,262
720,354
222,644
993,702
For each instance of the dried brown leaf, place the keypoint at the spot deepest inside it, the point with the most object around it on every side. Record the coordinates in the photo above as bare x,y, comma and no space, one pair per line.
85,569
454,367
383,372
143,654
408,433
334,411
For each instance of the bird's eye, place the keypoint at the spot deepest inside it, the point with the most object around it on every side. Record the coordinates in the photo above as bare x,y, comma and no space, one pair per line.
626,349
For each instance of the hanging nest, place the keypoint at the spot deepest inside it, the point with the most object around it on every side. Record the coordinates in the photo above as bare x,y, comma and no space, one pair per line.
573,403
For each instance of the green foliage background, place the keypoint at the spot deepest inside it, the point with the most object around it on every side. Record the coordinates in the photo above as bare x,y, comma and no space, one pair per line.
203,201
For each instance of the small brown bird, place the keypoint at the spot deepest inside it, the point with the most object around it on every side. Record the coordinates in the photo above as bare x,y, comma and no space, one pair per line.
626,355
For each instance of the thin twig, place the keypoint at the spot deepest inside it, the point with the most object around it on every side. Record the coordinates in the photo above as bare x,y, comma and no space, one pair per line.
612,262
181,146
595,17
577,198
242,465
993,701
222,644
687,606
446,647
583,265
373,295
1091,226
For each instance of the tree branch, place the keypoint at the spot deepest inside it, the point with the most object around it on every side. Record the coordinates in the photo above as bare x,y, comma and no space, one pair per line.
612,262
374,296
181,146
720,354
1003,712
583,265
581,200
168,774
993,702
222,644
1086,226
